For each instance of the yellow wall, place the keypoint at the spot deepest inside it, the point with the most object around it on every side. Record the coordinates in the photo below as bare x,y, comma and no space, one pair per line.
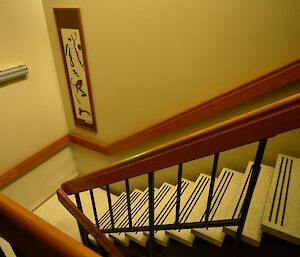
149,60
34,188
31,109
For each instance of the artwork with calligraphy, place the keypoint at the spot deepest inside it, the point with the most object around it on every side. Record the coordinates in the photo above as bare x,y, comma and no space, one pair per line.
77,74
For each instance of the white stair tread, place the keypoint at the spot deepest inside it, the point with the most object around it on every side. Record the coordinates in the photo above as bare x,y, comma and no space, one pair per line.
193,201
252,230
221,208
120,216
160,198
60,218
166,213
101,202
63,220
282,213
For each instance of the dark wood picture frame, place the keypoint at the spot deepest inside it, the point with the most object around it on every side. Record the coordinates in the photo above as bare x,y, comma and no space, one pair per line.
68,20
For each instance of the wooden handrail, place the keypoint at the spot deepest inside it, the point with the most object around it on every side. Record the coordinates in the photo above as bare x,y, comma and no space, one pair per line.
88,225
264,122
33,236
241,94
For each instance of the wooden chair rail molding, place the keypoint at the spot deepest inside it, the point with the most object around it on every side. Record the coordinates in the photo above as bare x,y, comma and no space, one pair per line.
88,225
34,160
275,118
238,95
33,236
231,98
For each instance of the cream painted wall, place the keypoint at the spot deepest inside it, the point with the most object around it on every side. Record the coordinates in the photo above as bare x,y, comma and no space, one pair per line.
34,188
149,60
31,110
237,159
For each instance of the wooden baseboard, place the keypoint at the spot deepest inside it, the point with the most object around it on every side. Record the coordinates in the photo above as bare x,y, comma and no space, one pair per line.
77,140
34,160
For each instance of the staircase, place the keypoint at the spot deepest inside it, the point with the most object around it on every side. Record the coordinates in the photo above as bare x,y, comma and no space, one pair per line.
228,195
244,204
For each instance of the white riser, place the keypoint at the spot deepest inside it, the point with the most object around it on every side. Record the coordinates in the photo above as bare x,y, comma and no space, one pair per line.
195,197
142,219
282,213
252,230
222,206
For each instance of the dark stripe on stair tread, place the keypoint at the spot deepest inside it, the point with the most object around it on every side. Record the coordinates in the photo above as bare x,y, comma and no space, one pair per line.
242,193
197,198
135,210
217,192
137,206
114,206
122,210
170,206
192,196
199,193
287,192
224,192
275,193
166,208
221,192
107,222
157,201
281,190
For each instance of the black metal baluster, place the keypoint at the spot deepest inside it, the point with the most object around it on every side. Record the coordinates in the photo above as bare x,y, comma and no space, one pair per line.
245,207
94,207
83,233
179,179
110,207
211,186
95,216
128,202
151,213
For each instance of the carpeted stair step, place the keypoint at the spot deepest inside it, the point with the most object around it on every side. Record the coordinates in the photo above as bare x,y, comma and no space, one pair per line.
120,215
252,230
193,201
282,213
160,196
222,206
167,211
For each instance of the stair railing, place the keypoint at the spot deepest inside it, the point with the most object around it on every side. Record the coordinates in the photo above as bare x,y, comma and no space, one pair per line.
31,236
258,125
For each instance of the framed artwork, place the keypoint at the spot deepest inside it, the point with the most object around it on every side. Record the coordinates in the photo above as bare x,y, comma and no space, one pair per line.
71,39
